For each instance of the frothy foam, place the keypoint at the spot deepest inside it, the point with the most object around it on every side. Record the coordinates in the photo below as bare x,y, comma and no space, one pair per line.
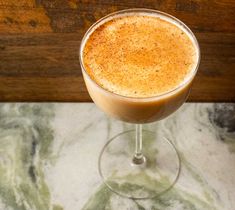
139,55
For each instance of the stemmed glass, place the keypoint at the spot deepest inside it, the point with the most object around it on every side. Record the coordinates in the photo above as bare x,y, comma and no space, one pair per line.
126,167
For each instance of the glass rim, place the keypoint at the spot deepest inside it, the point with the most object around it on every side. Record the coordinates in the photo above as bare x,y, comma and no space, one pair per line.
139,10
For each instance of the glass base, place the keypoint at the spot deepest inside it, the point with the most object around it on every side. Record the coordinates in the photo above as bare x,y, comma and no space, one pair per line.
156,173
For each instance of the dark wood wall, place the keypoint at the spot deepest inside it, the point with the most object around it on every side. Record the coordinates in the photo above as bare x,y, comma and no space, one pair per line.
39,43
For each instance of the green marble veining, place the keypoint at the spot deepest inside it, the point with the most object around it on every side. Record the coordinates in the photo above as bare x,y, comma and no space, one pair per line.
174,198
49,153
222,119
25,138
208,192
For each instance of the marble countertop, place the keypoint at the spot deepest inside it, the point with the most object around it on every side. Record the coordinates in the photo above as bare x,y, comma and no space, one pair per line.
49,155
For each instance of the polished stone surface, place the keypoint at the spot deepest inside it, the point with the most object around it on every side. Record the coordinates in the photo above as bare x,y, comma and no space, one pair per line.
49,154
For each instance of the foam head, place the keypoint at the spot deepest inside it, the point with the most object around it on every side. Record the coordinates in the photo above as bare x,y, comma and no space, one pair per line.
139,54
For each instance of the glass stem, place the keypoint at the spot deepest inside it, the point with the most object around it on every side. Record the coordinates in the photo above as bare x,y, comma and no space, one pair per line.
138,158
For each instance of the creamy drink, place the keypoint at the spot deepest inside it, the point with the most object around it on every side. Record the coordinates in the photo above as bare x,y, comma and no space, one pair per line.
138,67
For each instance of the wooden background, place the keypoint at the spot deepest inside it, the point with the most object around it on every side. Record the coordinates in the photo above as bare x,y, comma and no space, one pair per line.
39,43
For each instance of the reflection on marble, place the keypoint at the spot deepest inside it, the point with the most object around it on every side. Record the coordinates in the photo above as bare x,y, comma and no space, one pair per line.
49,154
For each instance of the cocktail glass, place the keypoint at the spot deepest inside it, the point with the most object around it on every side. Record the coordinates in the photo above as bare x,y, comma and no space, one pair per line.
126,167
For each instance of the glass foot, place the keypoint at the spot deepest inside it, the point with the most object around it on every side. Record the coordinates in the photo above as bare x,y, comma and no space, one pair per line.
143,177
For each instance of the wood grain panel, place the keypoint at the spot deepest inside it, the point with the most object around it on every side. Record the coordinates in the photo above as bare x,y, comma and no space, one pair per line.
39,43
